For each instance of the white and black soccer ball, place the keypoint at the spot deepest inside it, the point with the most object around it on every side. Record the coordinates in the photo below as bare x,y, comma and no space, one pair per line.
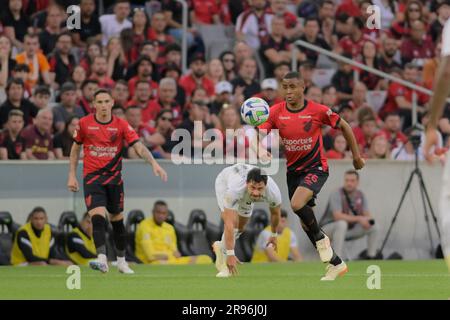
255,111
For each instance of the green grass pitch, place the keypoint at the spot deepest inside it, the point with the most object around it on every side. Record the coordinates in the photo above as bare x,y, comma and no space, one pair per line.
399,280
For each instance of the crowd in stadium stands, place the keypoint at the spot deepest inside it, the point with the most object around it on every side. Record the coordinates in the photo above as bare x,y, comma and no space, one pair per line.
48,74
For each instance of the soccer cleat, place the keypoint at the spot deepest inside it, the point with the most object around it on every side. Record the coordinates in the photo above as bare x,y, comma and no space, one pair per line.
334,271
100,266
324,248
220,261
124,268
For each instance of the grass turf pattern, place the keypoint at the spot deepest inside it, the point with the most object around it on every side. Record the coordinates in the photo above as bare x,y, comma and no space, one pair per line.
399,280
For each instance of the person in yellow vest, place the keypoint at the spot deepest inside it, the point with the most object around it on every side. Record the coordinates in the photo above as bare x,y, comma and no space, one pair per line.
286,244
156,241
80,245
34,243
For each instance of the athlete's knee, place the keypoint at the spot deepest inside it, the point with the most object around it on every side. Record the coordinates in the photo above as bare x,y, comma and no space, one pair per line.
302,211
298,204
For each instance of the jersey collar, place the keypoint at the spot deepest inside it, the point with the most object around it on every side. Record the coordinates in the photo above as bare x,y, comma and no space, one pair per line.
305,104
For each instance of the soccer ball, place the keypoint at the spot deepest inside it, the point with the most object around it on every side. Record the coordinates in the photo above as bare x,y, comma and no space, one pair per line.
255,111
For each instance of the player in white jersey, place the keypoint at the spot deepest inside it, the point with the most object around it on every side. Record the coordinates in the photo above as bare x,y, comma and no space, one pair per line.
441,92
237,188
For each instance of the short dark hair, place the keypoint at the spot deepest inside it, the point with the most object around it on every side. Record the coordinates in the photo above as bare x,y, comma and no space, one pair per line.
14,81
358,22
21,67
351,171
142,59
118,106
86,82
327,2
311,19
34,211
392,114
41,89
282,63
256,175
328,87
132,107
122,82
142,81
293,75
65,33
102,90
159,203
31,35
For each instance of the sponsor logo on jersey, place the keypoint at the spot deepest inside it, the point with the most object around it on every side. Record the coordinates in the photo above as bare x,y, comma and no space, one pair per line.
93,128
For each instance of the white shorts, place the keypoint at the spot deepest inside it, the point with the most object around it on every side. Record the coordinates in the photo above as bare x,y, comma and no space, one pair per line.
444,209
221,189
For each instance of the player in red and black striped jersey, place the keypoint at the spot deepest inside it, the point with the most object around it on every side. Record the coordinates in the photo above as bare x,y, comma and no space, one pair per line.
300,122
102,136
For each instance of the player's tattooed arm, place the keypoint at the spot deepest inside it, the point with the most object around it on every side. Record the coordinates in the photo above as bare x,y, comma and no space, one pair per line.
147,156
347,131
72,183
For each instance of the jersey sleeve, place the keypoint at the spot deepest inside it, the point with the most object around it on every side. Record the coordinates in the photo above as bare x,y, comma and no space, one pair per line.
78,134
129,133
274,194
329,117
270,123
446,39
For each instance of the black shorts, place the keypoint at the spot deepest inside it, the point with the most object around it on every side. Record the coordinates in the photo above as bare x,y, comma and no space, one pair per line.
313,179
109,196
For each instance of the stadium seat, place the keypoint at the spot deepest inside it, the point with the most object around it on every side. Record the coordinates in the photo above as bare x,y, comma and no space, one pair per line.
257,223
322,77
376,99
133,219
183,235
7,230
213,232
216,39
67,221
198,243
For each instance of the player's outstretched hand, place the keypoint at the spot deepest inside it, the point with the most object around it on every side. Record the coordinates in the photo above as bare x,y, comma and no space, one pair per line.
232,262
160,172
273,243
72,184
358,163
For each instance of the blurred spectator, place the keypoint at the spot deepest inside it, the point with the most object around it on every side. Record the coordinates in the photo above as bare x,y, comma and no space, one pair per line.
443,13
21,71
365,132
387,59
329,96
118,111
144,68
373,32
172,71
62,62
275,47
399,97
347,113
359,94
99,72
347,217
437,148
49,36
93,50
41,97
269,91
350,7
241,52
156,240
287,244
142,99
173,54
245,85
197,77
88,88
63,141
223,96
38,140
254,24
353,43
6,63
78,76
67,108
36,61
120,93
413,12
80,246
205,12
281,69
342,27
392,130
405,153
293,27
157,32
370,59
12,145
339,150
34,243
113,24
215,71
90,25
387,8
15,23
379,148
15,101
418,46
229,64
139,32
117,62
166,100
314,93
311,35
326,18
430,67
165,128
343,80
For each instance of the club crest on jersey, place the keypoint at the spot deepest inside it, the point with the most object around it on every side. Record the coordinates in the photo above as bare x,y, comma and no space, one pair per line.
113,136
307,126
